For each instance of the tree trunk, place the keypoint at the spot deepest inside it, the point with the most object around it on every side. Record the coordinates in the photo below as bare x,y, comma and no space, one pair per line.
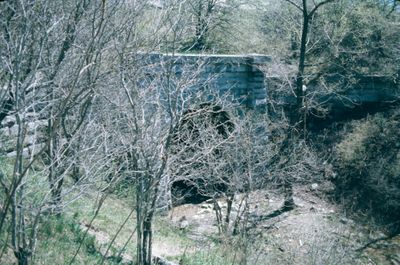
199,35
299,126
218,215
55,181
22,256
147,240
285,150
139,225
144,238
289,201
229,202
299,116
144,217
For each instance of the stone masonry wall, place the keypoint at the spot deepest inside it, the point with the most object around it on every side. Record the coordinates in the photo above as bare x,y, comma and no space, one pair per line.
238,75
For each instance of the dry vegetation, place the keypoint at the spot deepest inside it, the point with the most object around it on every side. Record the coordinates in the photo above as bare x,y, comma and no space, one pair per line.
102,136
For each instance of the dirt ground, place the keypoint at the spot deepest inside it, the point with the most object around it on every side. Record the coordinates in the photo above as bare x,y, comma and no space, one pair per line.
315,232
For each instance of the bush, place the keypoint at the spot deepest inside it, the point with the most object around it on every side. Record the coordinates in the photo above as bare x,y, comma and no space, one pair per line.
368,166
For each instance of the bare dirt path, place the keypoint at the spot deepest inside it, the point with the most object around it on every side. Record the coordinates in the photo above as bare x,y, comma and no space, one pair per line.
315,230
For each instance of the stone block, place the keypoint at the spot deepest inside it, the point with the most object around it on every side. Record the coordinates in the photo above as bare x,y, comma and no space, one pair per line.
258,59
238,75
257,79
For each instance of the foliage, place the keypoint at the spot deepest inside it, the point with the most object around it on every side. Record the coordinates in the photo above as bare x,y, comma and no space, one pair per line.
368,166
58,240
357,38
229,251
347,40
205,258
74,135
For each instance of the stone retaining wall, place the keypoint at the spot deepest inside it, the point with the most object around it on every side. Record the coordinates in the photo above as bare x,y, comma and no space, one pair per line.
237,75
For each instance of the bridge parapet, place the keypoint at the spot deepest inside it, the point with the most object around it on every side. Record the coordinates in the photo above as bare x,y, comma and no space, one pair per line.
239,76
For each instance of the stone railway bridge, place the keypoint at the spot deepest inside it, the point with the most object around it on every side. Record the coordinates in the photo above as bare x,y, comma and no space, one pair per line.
239,77
242,77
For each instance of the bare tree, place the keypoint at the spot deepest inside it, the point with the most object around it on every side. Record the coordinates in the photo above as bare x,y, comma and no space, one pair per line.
307,16
44,76
204,24
148,108
305,100
221,153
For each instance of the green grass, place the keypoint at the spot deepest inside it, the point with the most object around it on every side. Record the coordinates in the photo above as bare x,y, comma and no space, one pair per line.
59,237
110,218
169,233
223,254
113,214
58,240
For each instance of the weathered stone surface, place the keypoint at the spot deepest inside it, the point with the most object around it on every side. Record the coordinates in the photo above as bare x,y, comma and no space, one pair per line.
239,75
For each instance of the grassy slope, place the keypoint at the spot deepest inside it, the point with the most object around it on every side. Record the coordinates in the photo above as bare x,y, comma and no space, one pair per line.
58,239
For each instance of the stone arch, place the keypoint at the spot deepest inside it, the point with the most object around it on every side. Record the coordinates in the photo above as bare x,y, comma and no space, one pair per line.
188,189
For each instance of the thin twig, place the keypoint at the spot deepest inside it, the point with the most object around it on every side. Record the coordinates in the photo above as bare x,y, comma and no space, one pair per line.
88,227
116,234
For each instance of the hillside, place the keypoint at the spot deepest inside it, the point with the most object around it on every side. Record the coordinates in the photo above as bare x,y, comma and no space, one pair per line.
316,232
199,132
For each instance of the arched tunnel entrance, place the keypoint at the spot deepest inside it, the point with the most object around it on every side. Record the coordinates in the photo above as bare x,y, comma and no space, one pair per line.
198,132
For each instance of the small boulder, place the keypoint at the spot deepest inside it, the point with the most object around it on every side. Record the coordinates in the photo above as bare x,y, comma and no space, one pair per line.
204,211
314,186
183,223
205,206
